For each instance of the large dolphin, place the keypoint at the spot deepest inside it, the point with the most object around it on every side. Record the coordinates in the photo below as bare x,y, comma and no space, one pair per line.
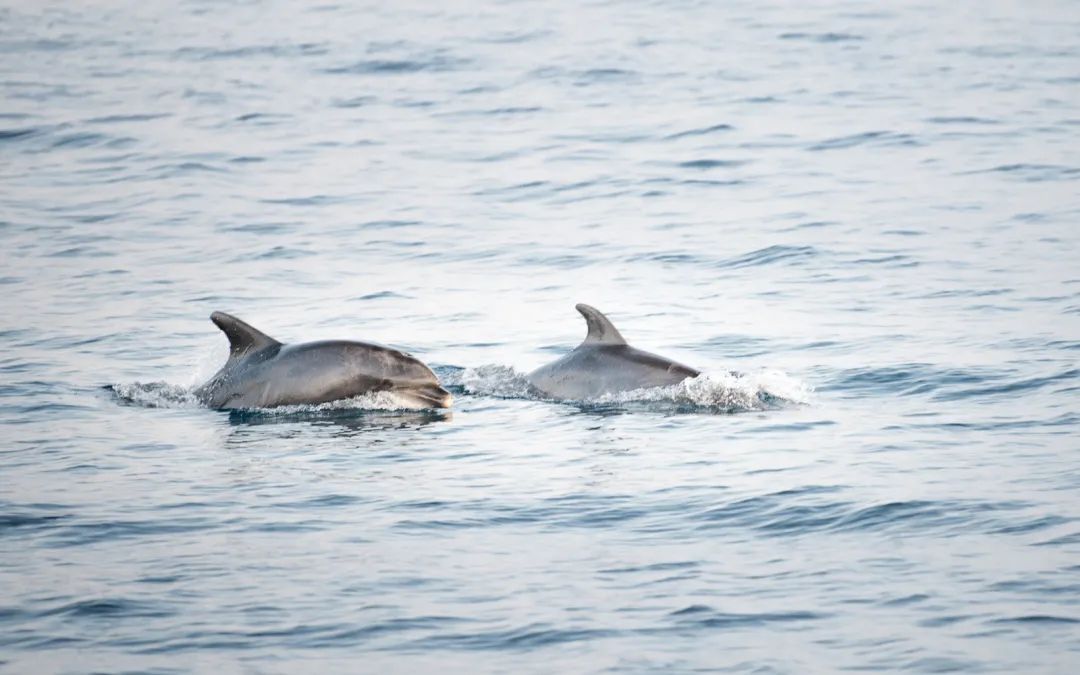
262,372
604,363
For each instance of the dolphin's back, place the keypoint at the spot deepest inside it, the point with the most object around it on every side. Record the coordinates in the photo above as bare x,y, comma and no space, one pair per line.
308,373
605,364
278,374
592,371
319,372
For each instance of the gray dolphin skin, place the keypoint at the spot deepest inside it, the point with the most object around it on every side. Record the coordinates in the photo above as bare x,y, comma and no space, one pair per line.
263,373
605,364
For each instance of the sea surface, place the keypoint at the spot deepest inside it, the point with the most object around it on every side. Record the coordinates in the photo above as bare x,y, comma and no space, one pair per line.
860,220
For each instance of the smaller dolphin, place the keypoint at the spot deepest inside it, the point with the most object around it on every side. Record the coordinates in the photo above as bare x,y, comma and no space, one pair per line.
604,364
263,373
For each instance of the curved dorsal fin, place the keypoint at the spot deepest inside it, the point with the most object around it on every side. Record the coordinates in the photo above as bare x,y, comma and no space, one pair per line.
601,330
243,339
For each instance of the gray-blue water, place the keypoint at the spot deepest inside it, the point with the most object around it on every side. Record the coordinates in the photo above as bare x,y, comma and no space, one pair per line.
869,212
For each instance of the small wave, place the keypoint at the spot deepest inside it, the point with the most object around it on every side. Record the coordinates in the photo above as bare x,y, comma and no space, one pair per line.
822,37
124,119
119,607
275,253
1033,173
532,636
25,520
707,617
382,295
312,200
700,131
1013,387
803,513
704,164
886,138
768,255
708,392
262,118
397,66
80,140
389,224
961,119
355,102
906,379
253,51
12,134
88,533
1038,619
763,256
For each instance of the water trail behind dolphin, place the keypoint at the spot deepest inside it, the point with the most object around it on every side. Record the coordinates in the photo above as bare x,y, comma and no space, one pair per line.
154,395
720,392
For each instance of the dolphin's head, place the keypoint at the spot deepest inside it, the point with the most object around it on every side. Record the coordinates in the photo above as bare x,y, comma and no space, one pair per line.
406,377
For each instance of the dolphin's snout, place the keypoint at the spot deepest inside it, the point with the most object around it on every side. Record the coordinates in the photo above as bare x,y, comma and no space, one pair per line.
427,396
441,398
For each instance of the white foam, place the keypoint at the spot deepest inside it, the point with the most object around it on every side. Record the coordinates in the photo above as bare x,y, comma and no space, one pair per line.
496,380
165,395
723,391
378,400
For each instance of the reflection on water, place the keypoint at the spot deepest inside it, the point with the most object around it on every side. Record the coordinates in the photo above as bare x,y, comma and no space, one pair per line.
344,421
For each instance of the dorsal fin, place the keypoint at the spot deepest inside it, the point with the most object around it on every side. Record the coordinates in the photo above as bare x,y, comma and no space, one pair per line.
601,330
243,339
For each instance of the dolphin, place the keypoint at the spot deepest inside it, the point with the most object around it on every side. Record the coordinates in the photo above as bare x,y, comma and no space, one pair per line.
604,364
263,373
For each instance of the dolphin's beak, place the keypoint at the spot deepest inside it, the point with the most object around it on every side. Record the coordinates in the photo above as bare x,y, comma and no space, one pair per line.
432,396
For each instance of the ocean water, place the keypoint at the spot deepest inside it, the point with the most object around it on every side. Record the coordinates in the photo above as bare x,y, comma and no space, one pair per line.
860,220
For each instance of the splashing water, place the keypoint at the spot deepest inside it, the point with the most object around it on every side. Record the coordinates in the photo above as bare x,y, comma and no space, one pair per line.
376,400
722,392
496,380
165,395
